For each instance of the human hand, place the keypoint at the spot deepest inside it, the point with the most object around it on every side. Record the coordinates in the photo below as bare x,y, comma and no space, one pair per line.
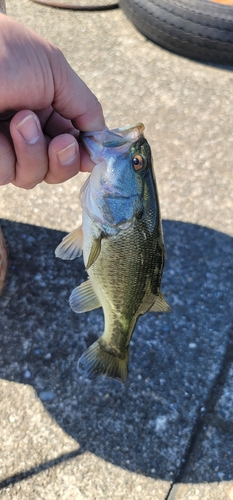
49,104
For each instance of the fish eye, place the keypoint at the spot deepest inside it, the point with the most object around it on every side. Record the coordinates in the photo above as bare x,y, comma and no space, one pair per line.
138,162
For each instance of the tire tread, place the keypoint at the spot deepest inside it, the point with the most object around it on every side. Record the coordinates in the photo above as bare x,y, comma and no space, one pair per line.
203,36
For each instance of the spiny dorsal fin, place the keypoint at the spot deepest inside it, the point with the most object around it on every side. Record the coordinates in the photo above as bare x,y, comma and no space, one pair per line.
94,253
160,304
83,298
71,245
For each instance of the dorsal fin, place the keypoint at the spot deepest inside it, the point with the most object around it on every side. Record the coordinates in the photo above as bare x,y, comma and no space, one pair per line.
160,304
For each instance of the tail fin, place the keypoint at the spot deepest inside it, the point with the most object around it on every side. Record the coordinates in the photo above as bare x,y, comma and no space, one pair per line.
96,359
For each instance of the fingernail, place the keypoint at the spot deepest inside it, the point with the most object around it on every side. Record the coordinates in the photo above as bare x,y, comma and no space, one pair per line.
67,155
29,129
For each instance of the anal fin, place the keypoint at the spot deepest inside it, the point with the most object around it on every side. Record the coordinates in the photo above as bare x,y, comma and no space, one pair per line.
83,298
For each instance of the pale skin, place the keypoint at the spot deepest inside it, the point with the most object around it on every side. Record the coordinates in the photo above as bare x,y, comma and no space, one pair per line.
43,106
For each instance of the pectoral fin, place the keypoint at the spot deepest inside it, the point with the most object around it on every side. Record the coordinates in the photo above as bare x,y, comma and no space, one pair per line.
94,253
83,298
71,245
160,304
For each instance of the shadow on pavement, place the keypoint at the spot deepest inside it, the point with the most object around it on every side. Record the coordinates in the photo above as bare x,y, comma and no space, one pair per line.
147,425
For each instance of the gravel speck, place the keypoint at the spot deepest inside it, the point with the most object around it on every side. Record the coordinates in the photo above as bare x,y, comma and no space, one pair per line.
46,395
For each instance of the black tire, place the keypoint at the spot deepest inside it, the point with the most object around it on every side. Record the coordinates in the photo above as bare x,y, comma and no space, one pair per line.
198,29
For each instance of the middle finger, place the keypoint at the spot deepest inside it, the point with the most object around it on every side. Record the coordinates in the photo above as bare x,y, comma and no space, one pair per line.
30,149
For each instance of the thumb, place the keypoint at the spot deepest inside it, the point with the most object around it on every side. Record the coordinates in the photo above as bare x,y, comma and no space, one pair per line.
72,98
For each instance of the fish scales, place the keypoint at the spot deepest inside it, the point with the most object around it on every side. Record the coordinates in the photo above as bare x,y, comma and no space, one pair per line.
122,244
120,272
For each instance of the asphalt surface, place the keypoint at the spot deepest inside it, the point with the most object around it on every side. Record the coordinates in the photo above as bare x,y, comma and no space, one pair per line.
167,434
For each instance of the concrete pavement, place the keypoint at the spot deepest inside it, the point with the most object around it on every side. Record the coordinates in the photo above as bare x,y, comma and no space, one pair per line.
167,434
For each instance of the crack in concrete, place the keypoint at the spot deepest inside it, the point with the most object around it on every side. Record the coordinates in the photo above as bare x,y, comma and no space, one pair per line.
206,416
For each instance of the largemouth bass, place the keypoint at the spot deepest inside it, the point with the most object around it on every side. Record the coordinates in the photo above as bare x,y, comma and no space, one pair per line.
122,243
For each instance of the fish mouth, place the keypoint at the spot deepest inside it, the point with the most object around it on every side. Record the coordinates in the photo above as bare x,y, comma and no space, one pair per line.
120,138
130,133
123,135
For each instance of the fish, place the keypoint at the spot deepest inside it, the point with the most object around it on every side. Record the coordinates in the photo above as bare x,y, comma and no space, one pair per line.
121,239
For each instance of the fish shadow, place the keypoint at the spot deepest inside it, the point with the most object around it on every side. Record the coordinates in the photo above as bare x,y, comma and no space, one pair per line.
178,361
